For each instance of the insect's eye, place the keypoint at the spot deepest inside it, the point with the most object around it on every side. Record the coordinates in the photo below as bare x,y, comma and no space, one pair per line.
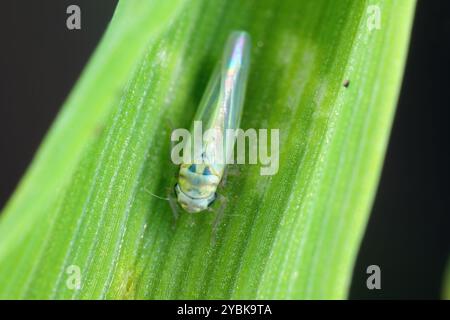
207,172
192,168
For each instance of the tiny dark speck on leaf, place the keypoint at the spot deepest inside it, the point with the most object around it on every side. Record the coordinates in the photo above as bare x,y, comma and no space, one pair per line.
346,83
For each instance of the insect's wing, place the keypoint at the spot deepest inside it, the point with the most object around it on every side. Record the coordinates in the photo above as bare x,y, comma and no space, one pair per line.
235,67
208,108
222,104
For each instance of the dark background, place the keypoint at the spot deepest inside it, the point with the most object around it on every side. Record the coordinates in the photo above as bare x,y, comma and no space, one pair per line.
407,235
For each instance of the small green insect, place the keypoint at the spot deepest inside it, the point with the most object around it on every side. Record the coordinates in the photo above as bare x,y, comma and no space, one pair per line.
220,109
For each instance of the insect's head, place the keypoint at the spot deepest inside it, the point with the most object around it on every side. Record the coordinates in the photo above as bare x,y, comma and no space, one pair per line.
190,204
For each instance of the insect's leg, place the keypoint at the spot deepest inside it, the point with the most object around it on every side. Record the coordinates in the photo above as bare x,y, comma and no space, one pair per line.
229,171
219,216
233,170
224,180
174,206
172,202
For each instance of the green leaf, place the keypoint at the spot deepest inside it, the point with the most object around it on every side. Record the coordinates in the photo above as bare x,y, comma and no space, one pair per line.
446,283
86,200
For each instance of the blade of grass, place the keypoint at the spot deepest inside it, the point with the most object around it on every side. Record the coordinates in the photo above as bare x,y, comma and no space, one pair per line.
79,122
446,284
292,235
